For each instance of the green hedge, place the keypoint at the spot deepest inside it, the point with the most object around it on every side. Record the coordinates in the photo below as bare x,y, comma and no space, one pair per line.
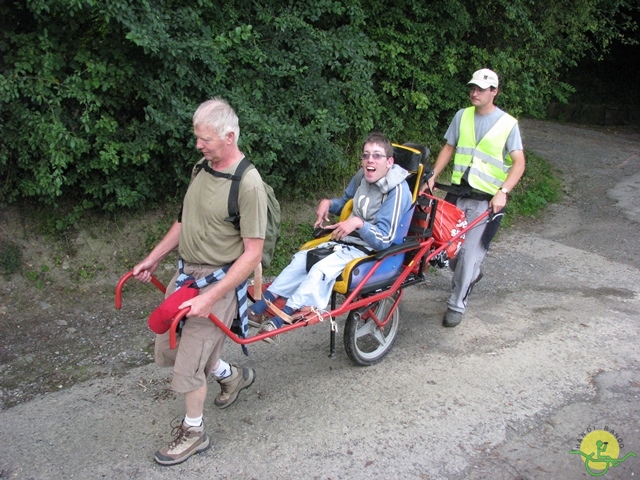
96,97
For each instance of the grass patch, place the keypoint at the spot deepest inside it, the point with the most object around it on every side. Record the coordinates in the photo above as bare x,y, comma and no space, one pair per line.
39,277
10,258
292,236
89,271
540,186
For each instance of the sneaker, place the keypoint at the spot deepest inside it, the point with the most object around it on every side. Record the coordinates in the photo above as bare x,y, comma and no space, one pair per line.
255,320
186,441
240,378
451,318
268,327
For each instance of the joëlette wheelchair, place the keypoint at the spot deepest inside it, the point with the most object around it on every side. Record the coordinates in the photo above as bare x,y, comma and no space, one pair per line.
370,289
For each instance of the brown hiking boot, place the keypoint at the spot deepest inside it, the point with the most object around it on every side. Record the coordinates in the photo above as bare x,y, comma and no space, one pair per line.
186,441
240,378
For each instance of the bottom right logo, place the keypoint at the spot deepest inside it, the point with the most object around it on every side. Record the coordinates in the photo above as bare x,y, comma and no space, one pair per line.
600,450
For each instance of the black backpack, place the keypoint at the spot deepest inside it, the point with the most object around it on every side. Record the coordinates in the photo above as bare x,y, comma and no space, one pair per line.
273,207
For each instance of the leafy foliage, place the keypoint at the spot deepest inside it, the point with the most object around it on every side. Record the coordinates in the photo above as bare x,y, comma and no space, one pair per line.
540,186
96,97
292,236
10,258
428,51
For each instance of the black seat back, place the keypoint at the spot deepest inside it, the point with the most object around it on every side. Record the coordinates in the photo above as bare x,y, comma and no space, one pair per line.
411,157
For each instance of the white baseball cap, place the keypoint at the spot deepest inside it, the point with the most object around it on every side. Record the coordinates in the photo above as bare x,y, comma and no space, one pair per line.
484,78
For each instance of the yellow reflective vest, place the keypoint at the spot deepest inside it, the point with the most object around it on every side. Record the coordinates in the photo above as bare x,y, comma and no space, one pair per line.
487,167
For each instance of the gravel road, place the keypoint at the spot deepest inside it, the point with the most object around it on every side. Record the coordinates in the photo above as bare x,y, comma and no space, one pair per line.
547,352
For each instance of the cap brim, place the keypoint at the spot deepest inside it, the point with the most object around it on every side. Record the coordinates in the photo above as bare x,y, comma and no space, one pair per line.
483,85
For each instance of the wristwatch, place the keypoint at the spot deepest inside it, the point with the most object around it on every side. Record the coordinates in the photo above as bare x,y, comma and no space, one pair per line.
504,190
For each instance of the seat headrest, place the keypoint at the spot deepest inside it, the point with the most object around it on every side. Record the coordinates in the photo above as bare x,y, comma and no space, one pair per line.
410,155
423,149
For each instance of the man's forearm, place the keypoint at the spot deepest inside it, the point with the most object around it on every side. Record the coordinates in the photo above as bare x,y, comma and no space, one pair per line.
516,171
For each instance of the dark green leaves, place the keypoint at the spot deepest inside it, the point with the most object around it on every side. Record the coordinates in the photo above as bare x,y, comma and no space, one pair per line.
96,97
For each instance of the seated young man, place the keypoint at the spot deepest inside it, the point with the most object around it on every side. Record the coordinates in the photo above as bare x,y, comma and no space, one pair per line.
380,199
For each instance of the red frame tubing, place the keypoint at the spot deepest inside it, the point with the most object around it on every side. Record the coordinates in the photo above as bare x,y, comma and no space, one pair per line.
124,279
369,313
348,305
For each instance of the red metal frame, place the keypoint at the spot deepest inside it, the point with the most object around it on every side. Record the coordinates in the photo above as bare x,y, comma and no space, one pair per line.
351,302
369,313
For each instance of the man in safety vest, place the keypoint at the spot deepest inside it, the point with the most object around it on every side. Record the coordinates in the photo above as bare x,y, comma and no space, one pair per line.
488,163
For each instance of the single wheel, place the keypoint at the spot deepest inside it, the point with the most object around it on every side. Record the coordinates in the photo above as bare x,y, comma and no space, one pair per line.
365,341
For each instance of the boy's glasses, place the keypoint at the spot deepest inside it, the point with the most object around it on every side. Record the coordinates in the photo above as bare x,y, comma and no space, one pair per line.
375,156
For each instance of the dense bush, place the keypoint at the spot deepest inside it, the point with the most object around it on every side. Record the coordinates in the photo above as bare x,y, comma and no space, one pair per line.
96,97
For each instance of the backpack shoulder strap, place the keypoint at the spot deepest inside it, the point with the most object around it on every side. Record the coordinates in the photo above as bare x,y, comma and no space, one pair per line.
205,166
232,203
232,206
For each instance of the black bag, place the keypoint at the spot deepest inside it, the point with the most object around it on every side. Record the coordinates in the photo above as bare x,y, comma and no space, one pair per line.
317,254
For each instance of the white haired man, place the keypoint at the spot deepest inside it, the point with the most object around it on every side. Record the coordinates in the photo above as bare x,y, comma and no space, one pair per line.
208,244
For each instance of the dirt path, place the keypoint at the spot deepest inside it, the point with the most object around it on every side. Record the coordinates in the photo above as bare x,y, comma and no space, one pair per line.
547,351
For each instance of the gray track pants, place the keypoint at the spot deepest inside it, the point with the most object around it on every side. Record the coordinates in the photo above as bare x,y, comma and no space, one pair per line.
466,265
